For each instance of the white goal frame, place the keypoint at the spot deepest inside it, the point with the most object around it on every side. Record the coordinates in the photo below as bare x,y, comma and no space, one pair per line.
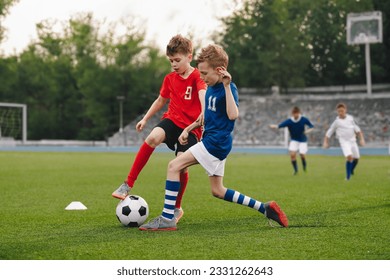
24,117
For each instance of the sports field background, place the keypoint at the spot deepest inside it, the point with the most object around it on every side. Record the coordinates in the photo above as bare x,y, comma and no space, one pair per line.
330,218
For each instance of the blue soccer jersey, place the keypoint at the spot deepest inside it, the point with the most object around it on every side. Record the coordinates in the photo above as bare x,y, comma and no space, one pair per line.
217,136
297,128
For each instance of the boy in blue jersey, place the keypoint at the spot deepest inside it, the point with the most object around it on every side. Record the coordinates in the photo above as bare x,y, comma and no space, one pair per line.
221,111
298,143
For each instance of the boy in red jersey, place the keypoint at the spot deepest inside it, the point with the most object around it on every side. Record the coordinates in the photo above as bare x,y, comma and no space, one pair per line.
185,92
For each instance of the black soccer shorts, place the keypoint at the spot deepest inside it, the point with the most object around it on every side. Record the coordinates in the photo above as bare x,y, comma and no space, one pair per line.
172,133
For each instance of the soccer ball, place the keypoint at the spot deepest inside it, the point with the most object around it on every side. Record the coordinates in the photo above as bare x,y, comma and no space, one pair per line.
132,211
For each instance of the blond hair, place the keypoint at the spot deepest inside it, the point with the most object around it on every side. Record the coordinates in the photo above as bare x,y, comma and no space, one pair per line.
214,55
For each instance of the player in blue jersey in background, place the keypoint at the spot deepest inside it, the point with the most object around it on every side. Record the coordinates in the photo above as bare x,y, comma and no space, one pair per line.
221,111
298,140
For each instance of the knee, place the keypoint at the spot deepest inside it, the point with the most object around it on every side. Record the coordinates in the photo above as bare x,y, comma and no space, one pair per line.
293,156
154,140
173,167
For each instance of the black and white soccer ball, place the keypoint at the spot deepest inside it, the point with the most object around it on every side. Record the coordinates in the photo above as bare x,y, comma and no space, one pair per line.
132,211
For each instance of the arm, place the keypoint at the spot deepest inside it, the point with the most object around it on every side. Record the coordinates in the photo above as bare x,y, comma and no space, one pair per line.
361,138
325,145
157,105
359,134
329,134
309,130
202,94
183,138
310,125
231,106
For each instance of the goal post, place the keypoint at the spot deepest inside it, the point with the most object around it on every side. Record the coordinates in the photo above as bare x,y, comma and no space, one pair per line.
5,120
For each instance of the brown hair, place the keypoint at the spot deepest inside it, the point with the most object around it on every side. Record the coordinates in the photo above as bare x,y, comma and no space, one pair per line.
295,110
214,55
179,44
341,105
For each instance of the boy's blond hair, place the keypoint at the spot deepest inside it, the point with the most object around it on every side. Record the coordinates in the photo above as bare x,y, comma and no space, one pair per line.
179,44
214,55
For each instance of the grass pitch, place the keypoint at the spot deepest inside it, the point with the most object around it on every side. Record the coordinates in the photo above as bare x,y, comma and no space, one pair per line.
329,217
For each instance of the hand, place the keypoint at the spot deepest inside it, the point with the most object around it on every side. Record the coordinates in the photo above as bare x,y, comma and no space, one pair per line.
226,77
273,126
140,125
325,145
183,138
200,119
362,142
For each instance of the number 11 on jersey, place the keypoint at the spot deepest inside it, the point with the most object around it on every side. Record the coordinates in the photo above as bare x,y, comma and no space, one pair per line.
211,105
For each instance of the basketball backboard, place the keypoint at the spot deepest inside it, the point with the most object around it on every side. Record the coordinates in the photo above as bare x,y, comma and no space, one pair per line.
363,28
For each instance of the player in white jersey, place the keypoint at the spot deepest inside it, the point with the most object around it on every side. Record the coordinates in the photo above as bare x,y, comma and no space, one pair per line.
346,131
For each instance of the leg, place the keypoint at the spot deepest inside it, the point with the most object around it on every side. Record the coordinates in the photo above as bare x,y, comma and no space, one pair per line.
354,164
293,148
155,138
166,221
346,147
192,140
184,176
303,159
270,209
293,156
348,166
175,167
302,152
356,156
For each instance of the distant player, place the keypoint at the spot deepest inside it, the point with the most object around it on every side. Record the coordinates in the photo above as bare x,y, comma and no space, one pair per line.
298,143
220,114
346,131
185,90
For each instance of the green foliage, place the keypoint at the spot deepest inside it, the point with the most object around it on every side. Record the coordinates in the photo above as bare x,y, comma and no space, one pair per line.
329,217
264,45
4,9
70,79
298,43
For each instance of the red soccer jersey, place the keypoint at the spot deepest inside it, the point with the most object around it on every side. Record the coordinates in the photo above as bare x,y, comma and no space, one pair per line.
184,105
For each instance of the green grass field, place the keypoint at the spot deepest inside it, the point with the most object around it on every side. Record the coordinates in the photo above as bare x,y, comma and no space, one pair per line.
329,217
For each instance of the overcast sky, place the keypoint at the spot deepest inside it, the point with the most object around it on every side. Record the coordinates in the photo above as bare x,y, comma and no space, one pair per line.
161,19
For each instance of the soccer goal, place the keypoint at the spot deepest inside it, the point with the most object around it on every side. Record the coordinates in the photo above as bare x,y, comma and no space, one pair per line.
13,121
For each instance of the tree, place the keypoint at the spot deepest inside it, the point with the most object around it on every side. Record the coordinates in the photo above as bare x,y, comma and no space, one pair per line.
297,43
264,45
4,9
70,79
332,61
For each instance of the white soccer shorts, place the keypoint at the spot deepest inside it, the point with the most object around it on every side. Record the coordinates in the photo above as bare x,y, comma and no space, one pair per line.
213,166
296,146
350,148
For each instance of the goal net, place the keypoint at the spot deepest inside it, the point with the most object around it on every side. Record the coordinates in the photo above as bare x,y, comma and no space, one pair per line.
13,122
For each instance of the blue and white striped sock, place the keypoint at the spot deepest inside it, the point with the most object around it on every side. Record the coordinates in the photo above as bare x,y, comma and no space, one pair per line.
239,198
171,192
